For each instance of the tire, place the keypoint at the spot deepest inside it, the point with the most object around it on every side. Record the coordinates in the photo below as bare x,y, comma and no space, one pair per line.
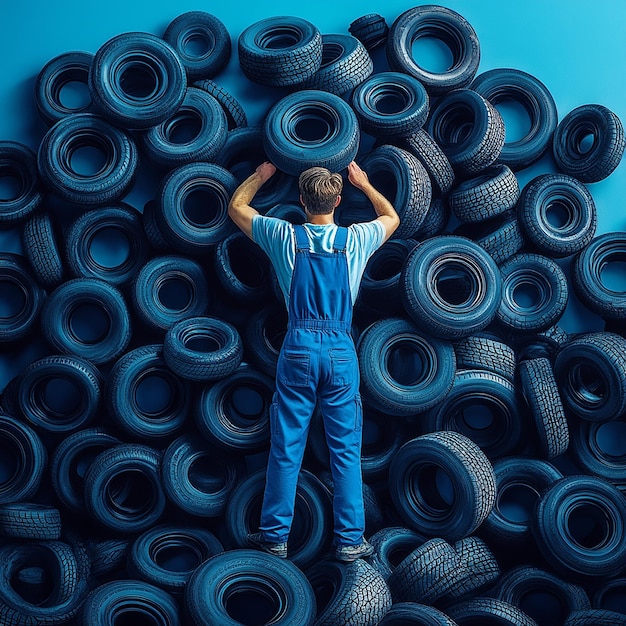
191,227
123,489
74,303
198,29
594,617
391,546
432,157
427,574
544,400
24,298
386,385
534,293
479,567
439,23
469,130
458,266
19,164
588,274
107,243
382,438
88,185
607,148
570,202
311,128
348,593
593,448
506,85
370,29
145,399
380,285
150,228
70,461
24,459
459,462
108,556
263,337
609,596
55,75
27,520
345,64
526,587
233,413
408,613
488,611
276,590
501,237
58,395
402,179
197,478
167,555
484,407
202,349
195,132
435,221
520,483
130,599
39,241
243,269
280,51
59,565
137,80
168,289
235,114
596,551
486,196
390,105
591,374
242,153
485,353
312,529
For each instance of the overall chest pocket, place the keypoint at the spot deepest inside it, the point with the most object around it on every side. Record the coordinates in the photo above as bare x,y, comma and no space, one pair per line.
294,367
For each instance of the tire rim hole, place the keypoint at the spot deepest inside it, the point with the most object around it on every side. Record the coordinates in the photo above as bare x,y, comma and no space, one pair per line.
89,323
207,476
454,285
435,489
200,207
313,129
177,555
454,126
138,81
10,464
527,296
198,44
385,269
331,52
175,294
275,330
279,38
246,263
588,387
391,102
558,215
204,343
408,365
385,182
155,395
543,606
588,526
614,599
11,186
110,248
433,54
130,494
611,439
613,275
585,143
517,123
247,403
33,583
60,398
135,616
477,415
74,95
13,300
87,161
373,435
516,502
183,128
252,605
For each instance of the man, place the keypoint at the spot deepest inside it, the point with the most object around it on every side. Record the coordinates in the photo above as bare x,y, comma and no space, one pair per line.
319,268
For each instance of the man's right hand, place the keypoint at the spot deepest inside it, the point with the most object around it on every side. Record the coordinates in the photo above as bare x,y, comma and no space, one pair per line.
357,176
265,171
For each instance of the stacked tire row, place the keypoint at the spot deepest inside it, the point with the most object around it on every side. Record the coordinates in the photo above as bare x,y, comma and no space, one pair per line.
132,447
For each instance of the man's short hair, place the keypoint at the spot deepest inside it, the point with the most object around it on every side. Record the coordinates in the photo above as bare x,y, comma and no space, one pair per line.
320,189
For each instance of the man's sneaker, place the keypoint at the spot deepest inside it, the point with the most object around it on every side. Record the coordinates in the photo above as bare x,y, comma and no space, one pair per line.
347,554
258,541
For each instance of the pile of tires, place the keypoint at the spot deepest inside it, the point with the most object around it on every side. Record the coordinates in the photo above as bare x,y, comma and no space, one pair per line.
134,440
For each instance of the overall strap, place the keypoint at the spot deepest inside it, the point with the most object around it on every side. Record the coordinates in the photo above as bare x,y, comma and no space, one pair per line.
302,239
341,236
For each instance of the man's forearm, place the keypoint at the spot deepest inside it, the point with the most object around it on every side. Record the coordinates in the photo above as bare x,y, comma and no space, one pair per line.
245,193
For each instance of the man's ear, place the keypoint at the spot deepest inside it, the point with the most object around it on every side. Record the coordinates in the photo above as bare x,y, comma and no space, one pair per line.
302,201
337,201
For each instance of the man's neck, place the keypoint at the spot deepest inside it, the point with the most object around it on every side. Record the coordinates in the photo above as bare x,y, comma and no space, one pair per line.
328,218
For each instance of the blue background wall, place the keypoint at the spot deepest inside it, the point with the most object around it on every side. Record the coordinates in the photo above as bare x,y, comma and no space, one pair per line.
577,48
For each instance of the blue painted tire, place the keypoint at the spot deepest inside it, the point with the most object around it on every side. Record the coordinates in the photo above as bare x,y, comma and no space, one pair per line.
19,162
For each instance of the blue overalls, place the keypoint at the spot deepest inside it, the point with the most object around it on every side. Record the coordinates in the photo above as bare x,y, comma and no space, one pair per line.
317,361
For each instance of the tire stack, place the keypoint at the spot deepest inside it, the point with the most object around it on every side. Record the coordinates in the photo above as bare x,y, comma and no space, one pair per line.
132,444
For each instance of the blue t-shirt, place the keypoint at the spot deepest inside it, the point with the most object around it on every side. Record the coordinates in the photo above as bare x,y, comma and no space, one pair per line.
277,238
